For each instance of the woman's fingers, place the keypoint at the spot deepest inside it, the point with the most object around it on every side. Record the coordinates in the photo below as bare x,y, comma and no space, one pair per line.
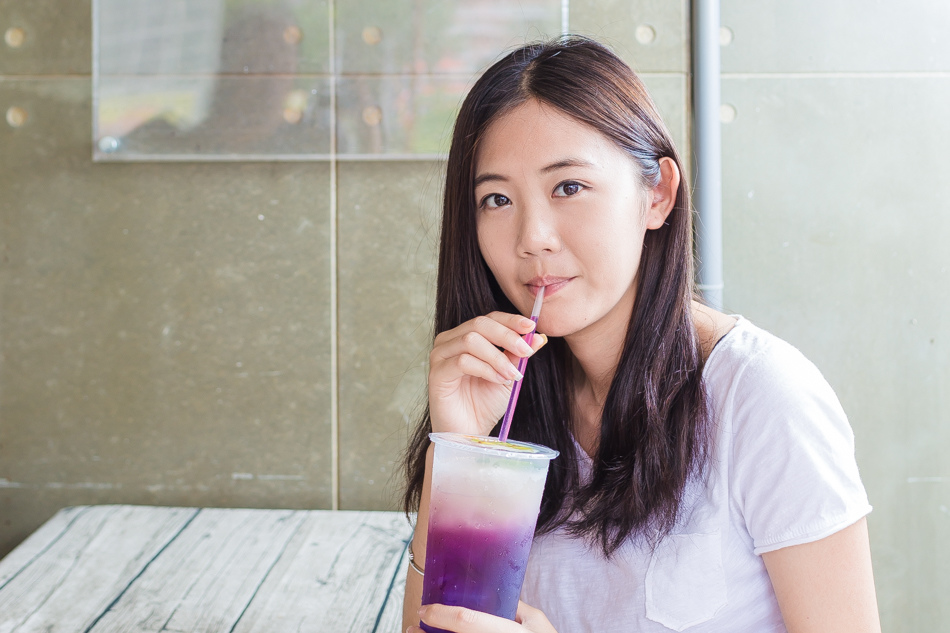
498,328
517,322
476,352
473,343
539,341
533,619
461,620
473,367
502,372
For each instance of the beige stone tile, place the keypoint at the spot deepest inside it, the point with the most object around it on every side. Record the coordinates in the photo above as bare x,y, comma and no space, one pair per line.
650,35
57,37
437,36
387,255
856,36
164,328
836,222
670,93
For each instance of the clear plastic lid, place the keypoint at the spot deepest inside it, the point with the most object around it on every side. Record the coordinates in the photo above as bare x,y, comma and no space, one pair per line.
492,445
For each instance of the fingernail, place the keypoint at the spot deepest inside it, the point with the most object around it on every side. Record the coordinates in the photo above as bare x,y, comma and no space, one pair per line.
526,322
517,375
544,338
524,348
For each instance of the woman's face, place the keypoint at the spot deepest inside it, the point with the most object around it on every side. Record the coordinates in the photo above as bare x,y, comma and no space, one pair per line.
560,206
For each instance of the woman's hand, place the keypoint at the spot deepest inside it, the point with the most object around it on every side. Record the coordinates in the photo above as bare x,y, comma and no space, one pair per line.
472,368
528,619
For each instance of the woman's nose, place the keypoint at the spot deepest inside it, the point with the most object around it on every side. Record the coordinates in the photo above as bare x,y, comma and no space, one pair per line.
538,232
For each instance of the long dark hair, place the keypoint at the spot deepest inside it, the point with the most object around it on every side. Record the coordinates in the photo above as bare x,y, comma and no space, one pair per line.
655,426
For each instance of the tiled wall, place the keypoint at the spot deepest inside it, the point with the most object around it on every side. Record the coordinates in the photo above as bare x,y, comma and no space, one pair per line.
836,229
227,334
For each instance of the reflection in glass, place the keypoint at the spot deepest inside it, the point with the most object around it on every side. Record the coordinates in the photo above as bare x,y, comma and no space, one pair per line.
254,116
210,78
437,37
397,116
261,79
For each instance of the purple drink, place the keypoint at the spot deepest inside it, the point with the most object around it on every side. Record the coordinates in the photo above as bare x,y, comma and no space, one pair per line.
482,514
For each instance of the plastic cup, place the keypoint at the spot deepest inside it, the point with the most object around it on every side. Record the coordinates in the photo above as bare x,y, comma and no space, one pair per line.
482,513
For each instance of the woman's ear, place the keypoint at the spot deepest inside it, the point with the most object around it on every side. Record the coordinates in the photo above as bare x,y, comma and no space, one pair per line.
663,196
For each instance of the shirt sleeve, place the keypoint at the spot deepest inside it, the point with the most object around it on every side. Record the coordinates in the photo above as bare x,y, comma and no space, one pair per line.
795,479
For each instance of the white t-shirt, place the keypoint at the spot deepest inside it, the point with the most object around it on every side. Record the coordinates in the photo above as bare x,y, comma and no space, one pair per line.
782,472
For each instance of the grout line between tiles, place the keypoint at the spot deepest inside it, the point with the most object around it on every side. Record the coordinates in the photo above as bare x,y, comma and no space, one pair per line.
334,301
840,75
272,158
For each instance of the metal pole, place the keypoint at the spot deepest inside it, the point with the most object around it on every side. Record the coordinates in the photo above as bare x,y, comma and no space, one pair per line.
707,144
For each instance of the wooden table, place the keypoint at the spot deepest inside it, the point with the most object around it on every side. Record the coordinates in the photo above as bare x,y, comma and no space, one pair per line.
138,568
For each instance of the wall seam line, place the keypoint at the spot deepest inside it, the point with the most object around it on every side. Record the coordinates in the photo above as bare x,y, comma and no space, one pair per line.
334,298
840,75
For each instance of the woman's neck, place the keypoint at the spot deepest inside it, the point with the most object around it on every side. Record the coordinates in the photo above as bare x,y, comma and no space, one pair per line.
595,356
595,359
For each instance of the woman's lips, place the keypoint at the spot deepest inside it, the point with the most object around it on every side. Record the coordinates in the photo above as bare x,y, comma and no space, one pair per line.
551,285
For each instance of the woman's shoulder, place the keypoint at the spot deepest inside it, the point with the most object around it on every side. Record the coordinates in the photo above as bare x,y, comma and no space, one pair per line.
785,438
752,357
732,345
764,390
711,326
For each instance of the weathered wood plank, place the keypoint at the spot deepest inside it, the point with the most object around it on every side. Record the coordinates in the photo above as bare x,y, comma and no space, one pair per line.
37,542
87,567
391,619
206,578
128,568
334,575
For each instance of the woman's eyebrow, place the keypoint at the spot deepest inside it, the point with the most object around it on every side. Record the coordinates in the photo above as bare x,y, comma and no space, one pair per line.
488,177
561,164
567,162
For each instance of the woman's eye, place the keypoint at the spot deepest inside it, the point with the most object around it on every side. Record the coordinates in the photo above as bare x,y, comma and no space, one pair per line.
495,200
566,189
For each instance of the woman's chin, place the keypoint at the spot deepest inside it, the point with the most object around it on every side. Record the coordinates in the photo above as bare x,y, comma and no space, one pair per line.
555,330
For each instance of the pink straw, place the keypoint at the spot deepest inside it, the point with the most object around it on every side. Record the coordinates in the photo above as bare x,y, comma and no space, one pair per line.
522,363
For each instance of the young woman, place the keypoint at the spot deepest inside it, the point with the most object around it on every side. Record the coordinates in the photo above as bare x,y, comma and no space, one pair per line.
706,478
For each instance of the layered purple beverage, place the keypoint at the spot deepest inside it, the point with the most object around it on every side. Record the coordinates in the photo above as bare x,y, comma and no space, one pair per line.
482,514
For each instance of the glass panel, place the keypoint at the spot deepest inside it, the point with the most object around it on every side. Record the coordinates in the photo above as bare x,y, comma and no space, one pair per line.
232,79
222,116
435,36
211,79
143,37
394,116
